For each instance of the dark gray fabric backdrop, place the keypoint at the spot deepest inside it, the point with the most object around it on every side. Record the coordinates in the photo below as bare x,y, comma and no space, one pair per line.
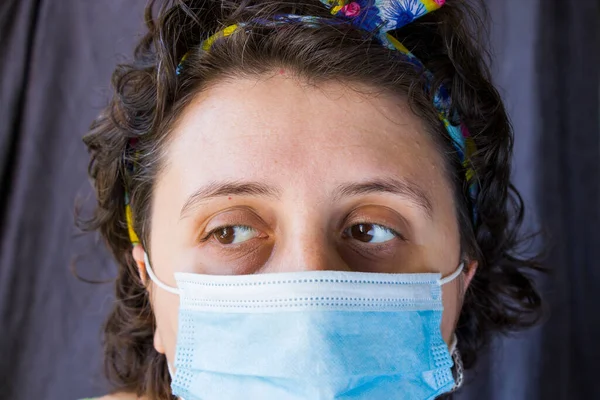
56,60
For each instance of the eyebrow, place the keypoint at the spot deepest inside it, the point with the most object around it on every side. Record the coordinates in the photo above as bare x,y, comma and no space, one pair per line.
403,188
228,188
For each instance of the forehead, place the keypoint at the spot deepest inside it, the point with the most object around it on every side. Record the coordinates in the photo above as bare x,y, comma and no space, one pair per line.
284,131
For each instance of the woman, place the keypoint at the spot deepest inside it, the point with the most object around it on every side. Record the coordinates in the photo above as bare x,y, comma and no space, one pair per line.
302,208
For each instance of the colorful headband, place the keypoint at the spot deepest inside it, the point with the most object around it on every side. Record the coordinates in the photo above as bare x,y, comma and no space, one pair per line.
376,17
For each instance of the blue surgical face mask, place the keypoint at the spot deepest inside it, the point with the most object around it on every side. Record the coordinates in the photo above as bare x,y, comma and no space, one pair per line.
317,335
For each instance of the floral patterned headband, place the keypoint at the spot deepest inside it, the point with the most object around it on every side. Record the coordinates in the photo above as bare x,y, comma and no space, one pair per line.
377,17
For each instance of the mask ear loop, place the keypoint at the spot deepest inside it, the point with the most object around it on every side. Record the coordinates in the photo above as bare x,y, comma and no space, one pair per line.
155,279
453,275
458,365
453,348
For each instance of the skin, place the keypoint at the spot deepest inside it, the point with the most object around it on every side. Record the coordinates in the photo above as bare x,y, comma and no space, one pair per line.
304,142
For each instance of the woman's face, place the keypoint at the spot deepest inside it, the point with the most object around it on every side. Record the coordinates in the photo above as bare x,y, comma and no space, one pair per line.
275,175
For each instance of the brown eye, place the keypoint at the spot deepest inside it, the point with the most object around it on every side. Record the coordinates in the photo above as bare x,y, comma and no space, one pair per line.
370,233
225,235
361,232
234,234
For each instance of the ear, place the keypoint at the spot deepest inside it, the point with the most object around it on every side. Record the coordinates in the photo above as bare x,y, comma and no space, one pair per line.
138,255
471,269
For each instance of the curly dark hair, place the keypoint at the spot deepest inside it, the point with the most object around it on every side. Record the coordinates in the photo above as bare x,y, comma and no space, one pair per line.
149,96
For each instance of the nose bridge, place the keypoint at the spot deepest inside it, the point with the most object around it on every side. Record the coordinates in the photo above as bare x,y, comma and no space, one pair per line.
307,245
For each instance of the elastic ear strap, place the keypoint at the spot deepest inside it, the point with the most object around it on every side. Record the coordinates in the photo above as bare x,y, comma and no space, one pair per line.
453,275
171,374
453,343
155,279
458,365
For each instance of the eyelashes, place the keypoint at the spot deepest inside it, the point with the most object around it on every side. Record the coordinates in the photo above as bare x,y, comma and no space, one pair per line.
227,235
370,233
231,234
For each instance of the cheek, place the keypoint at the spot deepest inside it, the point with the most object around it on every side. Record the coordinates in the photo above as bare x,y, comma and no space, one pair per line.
166,311
452,304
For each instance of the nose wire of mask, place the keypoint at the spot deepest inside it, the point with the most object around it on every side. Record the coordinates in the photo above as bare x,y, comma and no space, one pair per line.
176,291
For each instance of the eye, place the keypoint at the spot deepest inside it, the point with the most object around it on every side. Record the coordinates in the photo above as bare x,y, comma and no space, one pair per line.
233,234
370,233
